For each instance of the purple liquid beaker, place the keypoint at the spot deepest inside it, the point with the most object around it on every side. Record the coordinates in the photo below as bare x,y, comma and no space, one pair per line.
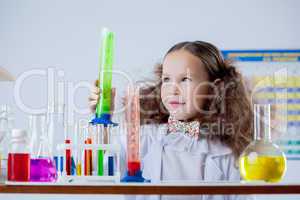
42,170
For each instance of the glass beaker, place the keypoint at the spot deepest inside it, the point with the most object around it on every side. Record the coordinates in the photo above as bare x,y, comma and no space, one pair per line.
42,167
262,160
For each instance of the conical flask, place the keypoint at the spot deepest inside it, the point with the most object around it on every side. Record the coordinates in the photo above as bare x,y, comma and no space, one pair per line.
42,166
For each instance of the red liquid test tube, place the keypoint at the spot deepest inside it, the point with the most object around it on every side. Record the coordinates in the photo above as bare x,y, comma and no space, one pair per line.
68,158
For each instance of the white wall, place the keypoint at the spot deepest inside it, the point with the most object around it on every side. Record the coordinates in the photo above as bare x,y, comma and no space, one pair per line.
66,34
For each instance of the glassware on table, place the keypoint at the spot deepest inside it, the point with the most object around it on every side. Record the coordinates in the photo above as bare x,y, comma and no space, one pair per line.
56,130
132,126
18,163
262,160
6,125
42,166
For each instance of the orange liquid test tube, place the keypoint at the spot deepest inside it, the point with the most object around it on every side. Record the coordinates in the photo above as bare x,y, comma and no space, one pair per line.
88,159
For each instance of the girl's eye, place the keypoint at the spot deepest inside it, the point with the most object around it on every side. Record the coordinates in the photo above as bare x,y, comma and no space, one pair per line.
185,79
165,79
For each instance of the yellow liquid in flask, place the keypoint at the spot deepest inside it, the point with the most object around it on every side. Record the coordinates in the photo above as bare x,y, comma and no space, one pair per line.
265,168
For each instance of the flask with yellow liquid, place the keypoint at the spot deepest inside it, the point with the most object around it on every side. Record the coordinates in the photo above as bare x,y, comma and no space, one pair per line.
262,160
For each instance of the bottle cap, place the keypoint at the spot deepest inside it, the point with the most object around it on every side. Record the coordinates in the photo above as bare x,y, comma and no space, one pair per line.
18,133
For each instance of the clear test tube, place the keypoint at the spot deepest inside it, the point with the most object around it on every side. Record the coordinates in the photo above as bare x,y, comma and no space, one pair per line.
56,131
72,131
132,118
79,141
84,151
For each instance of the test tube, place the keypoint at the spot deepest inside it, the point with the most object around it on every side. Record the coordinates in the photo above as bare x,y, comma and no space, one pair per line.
84,154
68,129
79,141
132,117
105,74
88,159
59,160
56,131
68,158
88,156
73,166
100,152
110,154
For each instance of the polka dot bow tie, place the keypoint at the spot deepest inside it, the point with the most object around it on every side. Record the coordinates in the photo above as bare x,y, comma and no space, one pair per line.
191,129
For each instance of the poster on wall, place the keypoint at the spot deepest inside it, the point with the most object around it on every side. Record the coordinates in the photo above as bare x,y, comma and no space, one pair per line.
273,76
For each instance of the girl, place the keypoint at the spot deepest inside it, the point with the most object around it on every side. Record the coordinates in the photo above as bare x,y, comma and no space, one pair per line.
196,119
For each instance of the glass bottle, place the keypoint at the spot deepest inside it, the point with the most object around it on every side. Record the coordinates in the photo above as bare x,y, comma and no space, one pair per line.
262,160
18,164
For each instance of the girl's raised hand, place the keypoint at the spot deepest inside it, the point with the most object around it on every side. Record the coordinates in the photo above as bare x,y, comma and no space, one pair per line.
95,95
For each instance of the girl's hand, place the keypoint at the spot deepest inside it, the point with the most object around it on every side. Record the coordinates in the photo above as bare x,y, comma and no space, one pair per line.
95,95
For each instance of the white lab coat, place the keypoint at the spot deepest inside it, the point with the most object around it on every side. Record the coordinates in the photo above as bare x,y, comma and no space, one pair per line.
178,157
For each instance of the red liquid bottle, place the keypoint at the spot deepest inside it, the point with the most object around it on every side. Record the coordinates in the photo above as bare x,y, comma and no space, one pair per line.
18,165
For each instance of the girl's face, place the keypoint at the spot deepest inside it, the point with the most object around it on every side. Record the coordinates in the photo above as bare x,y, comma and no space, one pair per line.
185,84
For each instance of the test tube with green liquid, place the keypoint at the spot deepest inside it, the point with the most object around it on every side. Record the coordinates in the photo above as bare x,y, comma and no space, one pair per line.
100,152
105,74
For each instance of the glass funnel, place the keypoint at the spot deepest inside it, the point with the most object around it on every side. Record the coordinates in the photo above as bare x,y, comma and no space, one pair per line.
262,160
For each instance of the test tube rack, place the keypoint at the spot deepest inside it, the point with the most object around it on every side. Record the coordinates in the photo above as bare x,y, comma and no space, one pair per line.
93,178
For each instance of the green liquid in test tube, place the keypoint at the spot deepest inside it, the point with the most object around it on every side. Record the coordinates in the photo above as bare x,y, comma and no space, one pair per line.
100,170
105,75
